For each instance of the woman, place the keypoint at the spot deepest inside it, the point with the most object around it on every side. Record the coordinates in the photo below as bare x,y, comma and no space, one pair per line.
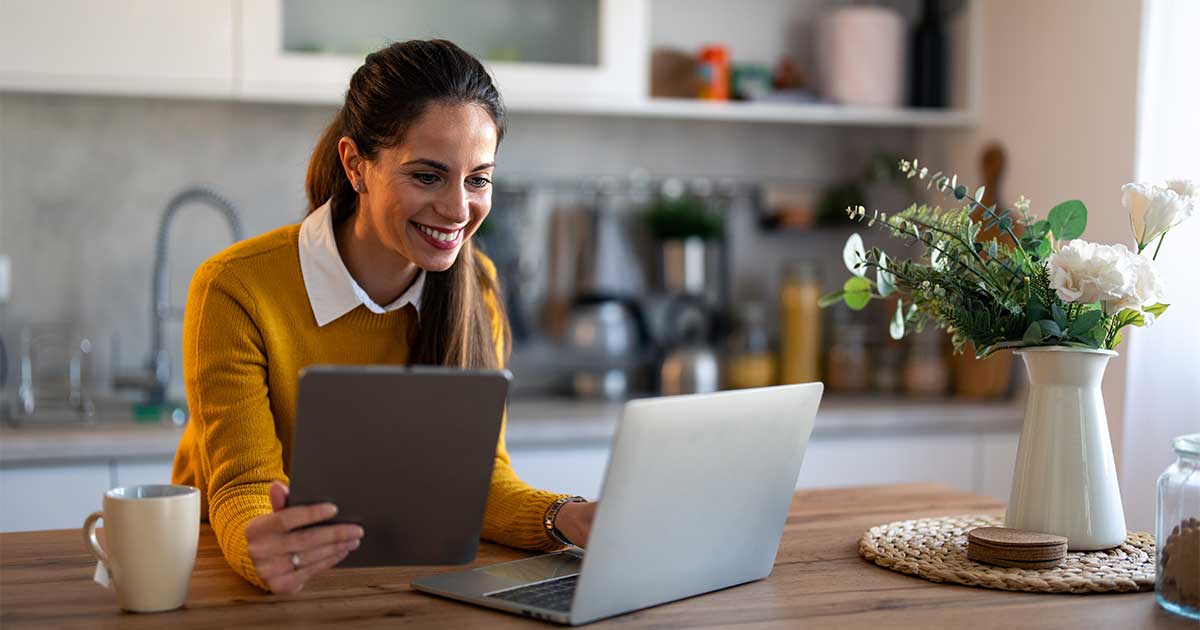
397,185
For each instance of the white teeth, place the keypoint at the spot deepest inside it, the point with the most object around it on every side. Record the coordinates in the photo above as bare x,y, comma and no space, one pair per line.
445,237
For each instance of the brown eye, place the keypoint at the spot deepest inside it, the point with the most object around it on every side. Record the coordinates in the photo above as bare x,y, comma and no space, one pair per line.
479,182
426,178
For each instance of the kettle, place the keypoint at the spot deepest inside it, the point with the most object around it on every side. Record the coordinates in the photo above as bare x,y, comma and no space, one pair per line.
691,366
606,340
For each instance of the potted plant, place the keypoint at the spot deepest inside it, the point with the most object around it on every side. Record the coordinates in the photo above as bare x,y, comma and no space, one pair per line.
1059,301
685,229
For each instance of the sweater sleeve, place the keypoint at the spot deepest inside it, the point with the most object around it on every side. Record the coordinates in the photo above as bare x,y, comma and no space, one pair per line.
225,374
515,510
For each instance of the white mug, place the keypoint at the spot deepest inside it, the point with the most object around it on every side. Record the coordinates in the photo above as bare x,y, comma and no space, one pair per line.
150,538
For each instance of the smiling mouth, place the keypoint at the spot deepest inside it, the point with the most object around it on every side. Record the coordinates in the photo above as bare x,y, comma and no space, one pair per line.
439,237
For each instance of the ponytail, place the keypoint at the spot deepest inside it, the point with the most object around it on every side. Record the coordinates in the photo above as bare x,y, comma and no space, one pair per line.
326,180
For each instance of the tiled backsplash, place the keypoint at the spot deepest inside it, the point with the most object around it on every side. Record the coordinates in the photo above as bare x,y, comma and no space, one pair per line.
83,181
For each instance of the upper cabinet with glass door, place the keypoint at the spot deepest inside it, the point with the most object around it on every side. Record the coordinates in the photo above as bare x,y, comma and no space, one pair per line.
539,51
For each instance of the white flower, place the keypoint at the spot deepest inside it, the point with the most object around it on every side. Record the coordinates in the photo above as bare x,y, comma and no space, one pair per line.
1147,288
1086,273
1022,204
1153,210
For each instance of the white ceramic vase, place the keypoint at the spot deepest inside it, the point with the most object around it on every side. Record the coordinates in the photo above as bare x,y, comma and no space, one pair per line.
1065,480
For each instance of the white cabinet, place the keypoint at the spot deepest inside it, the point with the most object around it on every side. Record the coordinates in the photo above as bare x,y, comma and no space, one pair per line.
51,497
582,50
143,47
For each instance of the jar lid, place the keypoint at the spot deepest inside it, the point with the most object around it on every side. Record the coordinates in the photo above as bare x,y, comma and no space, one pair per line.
1187,444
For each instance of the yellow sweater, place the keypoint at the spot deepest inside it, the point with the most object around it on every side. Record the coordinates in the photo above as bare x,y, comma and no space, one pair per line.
248,331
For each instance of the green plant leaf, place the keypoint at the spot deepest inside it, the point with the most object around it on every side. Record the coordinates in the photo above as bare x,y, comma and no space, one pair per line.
979,192
896,329
857,293
1130,317
1059,316
854,255
1068,220
1033,334
1156,309
1116,340
1050,328
829,299
1043,249
1085,322
884,280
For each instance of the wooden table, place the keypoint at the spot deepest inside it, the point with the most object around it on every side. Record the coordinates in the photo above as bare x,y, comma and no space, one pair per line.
819,581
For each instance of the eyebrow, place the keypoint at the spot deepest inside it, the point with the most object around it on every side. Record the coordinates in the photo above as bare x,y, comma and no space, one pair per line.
442,167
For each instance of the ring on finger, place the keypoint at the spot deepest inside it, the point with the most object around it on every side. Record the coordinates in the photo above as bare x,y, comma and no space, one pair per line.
296,560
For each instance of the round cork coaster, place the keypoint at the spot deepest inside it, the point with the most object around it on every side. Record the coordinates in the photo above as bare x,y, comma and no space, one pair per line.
936,550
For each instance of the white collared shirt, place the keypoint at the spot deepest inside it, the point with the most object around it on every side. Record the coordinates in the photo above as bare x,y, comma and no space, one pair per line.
332,291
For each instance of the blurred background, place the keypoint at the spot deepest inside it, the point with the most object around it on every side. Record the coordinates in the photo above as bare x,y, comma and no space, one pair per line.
668,208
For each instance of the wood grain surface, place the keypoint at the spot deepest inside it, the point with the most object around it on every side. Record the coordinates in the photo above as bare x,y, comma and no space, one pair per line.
819,581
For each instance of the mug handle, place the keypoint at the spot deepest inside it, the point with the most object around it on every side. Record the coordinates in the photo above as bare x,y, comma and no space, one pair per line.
89,536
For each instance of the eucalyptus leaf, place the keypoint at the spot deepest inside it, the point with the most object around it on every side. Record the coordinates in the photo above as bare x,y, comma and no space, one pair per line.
1060,317
1068,220
854,254
979,193
1033,334
857,293
1050,328
829,299
884,280
896,329
960,192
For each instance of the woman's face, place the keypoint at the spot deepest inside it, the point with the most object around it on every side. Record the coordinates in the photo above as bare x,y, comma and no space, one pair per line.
426,196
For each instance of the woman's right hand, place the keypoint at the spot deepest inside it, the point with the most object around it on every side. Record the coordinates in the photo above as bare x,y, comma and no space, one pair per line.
271,541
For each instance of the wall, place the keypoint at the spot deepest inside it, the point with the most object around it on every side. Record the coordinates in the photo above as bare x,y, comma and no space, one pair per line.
84,179
1164,376
1060,88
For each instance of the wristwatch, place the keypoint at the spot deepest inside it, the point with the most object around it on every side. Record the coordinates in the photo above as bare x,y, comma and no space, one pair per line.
552,513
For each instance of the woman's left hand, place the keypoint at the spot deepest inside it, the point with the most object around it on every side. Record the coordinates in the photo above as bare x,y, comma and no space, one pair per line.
574,520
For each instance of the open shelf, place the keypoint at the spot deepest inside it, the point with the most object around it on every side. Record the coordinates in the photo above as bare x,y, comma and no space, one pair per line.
764,112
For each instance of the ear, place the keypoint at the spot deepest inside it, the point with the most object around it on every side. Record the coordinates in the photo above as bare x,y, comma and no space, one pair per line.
353,163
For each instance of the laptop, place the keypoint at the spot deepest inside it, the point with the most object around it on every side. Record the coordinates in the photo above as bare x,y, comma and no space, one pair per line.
694,500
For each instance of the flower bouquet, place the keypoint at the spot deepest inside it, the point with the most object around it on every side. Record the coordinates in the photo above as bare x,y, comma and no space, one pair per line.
1002,279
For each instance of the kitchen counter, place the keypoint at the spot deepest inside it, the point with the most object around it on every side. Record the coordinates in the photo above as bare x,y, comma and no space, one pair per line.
533,423
819,580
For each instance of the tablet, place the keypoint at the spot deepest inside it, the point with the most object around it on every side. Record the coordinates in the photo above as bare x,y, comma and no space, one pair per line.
406,452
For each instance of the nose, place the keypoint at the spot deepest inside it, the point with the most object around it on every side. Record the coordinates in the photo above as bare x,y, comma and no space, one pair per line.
455,205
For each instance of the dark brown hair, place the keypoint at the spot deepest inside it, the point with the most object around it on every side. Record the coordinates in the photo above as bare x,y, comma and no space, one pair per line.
392,89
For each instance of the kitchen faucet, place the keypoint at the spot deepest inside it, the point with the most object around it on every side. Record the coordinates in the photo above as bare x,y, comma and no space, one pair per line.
157,377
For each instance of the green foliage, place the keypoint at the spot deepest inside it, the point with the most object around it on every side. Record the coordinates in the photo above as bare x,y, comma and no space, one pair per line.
995,293
681,218
1068,220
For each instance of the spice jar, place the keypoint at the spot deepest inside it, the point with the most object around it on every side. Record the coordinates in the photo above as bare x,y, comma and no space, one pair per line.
800,324
1177,531
849,365
748,358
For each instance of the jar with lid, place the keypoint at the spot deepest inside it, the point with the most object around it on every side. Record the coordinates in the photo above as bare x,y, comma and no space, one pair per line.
748,358
1177,531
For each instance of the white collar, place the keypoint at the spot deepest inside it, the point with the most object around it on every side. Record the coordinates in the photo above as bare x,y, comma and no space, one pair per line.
332,291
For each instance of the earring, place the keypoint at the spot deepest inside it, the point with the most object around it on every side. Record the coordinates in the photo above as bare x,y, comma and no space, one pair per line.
358,187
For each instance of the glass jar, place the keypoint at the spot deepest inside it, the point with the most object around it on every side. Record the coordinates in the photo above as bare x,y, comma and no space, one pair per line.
1177,531
749,361
800,324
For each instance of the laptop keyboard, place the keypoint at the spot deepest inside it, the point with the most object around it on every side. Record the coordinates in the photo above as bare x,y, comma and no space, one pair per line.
553,594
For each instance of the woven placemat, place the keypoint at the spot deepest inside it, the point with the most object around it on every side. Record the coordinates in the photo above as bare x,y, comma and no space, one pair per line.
936,549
